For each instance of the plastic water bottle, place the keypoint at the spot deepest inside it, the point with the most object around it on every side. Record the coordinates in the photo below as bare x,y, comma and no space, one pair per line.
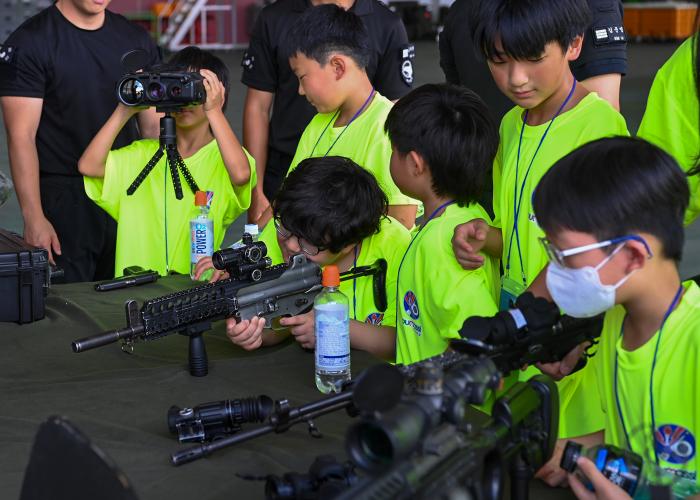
332,327
201,234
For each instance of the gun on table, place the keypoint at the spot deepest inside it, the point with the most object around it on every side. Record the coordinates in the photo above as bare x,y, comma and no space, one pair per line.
254,288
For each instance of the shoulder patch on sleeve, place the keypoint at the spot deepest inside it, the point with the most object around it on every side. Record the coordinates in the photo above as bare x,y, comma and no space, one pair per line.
606,35
407,54
248,61
7,53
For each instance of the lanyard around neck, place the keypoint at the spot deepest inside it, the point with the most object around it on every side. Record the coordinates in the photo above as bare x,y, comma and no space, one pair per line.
335,115
673,305
518,198
398,273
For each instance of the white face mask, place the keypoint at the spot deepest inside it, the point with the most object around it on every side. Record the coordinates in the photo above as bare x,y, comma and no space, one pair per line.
579,292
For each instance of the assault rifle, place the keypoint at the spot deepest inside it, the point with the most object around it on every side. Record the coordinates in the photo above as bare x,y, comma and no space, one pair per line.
254,288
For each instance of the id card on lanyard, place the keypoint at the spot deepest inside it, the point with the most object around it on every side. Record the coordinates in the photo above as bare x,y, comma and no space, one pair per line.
511,288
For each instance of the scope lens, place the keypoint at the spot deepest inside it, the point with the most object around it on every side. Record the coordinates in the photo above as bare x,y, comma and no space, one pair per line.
156,91
131,92
175,91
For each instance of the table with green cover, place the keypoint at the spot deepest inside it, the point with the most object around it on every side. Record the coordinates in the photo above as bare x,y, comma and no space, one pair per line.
120,401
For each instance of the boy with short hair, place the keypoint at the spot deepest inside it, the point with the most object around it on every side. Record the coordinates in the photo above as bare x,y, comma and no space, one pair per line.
529,45
153,229
329,53
444,142
334,212
612,212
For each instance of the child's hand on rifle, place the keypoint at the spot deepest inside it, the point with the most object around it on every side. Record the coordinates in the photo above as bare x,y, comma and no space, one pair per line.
247,333
302,327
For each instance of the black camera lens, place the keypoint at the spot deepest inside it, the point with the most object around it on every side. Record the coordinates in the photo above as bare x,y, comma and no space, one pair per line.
131,91
175,91
156,91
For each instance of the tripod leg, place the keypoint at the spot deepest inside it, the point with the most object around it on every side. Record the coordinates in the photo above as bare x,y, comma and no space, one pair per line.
146,170
186,174
172,157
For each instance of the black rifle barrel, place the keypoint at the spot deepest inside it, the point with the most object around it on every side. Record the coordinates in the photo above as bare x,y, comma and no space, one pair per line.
110,337
296,415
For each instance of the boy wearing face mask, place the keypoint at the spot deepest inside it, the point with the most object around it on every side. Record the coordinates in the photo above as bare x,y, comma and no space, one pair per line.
612,212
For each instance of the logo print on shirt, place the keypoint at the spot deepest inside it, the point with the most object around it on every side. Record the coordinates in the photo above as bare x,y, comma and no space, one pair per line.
674,444
410,304
375,318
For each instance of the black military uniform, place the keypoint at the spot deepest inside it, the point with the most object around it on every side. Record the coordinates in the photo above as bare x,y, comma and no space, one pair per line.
75,72
604,51
266,67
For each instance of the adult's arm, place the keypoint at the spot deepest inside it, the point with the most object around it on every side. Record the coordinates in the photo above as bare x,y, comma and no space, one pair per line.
21,116
256,125
606,86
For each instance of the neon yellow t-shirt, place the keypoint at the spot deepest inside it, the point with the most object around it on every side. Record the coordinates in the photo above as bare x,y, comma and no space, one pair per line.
148,238
676,390
364,141
388,244
671,118
592,118
434,294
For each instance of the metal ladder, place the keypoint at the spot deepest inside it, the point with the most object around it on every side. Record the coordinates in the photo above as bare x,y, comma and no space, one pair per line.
183,16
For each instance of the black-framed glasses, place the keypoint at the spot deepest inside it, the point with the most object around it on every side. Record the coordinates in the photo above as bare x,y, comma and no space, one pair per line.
308,248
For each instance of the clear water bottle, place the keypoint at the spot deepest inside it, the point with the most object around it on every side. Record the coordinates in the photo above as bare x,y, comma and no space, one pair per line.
201,235
332,327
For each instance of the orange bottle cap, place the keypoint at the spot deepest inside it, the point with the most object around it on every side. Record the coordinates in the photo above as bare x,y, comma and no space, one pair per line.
331,276
200,198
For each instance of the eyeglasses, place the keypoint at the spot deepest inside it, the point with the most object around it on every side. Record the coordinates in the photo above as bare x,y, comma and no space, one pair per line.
308,248
558,256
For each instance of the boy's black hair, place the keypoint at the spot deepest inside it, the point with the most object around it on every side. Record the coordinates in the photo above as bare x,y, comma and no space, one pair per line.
327,29
330,202
452,129
614,187
524,27
194,59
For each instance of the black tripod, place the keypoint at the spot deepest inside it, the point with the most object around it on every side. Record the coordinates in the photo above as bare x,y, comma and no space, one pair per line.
168,145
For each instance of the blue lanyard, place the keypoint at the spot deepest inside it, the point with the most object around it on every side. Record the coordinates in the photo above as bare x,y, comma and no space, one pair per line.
398,273
673,305
518,198
354,286
335,115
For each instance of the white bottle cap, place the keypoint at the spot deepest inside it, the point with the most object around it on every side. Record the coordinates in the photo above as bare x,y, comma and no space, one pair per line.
251,229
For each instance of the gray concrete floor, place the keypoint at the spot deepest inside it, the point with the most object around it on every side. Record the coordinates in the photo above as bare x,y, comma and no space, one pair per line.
644,60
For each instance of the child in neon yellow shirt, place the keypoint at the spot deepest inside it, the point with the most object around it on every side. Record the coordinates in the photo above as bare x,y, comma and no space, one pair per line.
672,116
612,212
328,54
153,225
528,52
443,143
333,211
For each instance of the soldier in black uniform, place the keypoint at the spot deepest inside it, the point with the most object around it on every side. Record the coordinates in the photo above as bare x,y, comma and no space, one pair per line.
57,88
273,87
600,66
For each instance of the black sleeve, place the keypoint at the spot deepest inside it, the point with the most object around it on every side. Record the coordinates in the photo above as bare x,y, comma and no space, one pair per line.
23,66
605,42
394,76
447,57
259,68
